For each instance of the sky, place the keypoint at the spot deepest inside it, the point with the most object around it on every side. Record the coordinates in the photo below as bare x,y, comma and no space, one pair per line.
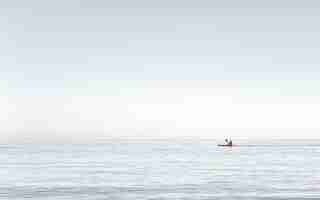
94,70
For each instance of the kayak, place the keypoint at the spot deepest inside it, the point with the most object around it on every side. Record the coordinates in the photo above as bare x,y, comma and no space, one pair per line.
225,145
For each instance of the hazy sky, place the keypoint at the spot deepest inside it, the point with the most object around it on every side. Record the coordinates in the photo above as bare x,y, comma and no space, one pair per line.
88,70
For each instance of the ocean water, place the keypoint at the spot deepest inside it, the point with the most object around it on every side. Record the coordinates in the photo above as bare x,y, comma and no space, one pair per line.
155,170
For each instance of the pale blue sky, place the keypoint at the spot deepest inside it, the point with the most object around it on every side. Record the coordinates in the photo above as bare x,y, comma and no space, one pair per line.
100,69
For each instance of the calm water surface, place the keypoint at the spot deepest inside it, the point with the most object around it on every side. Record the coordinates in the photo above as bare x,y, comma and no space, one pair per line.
192,170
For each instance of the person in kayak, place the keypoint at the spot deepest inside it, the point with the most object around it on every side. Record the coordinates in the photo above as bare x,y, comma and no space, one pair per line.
228,143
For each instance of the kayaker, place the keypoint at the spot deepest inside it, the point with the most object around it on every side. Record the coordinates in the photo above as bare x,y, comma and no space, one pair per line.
226,140
230,142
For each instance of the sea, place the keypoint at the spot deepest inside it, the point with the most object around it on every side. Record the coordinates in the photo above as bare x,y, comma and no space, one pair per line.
161,169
